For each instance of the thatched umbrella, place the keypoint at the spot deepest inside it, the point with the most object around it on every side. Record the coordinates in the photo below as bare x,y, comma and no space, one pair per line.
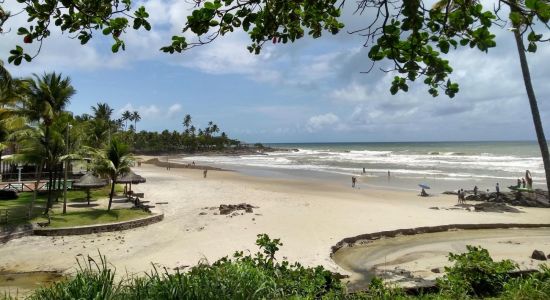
89,181
130,178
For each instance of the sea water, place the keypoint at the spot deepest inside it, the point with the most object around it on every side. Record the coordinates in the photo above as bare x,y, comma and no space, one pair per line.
441,165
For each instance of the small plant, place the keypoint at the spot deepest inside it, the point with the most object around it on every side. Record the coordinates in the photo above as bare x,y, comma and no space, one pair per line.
474,273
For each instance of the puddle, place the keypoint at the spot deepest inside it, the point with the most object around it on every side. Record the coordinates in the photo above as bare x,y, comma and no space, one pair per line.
23,283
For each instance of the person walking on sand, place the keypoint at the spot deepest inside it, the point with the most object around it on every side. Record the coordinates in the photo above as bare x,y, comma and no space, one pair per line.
459,195
364,171
204,172
353,180
475,190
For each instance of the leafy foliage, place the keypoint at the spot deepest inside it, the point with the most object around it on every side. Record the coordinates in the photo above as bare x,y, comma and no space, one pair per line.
78,18
240,277
412,36
475,273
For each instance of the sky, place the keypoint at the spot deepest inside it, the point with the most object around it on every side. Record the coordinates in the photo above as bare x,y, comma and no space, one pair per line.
311,91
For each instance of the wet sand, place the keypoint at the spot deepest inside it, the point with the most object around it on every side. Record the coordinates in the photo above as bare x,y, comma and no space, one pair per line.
420,259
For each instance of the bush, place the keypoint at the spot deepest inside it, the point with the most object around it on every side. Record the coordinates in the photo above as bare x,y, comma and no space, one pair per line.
257,276
474,273
535,287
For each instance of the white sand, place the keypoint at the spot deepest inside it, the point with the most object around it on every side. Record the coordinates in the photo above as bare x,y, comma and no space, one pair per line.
308,216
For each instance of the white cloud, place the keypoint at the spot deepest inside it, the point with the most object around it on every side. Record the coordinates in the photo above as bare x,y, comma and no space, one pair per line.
174,109
319,122
146,111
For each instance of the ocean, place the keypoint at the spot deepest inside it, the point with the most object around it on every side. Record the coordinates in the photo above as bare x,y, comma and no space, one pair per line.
441,165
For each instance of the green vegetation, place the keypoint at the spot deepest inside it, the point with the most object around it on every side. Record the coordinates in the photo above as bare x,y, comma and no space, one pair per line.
412,36
474,275
19,209
92,217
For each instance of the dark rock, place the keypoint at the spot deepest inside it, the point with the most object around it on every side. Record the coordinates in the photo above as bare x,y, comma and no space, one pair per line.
434,207
495,207
538,255
226,209
202,213
436,270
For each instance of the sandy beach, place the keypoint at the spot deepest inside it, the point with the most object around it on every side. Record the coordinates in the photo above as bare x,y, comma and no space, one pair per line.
309,216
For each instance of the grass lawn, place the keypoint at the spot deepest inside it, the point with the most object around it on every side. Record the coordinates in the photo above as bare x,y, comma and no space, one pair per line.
83,216
92,217
25,198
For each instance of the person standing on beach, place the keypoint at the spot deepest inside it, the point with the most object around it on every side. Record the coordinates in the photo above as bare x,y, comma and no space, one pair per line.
475,190
204,172
522,182
459,195
353,180
364,171
497,188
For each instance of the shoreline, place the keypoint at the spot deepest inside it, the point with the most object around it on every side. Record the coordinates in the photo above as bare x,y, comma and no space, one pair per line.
309,216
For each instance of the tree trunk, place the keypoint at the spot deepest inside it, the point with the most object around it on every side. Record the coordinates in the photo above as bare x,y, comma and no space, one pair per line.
35,192
1,169
112,193
50,184
534,107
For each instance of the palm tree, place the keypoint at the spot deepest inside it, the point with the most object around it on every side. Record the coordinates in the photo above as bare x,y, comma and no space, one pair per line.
102,111
518,29
115,161
136,118
187,121
126,115
47,97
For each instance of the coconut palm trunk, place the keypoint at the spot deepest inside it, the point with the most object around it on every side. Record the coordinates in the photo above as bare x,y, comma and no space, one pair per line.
534,107
38,174
112,193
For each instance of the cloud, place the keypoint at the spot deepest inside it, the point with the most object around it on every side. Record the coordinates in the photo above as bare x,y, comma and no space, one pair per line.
319,122
146,111
174,109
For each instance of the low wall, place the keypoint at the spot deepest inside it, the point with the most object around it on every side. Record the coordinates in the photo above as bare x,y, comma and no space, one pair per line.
99,228
18,232
427,229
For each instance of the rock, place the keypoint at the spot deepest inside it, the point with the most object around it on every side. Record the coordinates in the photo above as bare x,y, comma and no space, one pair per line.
495,207
230,209
434,207
202,213
436,270
538,255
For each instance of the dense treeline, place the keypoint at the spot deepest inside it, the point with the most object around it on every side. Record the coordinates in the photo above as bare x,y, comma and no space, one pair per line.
38,131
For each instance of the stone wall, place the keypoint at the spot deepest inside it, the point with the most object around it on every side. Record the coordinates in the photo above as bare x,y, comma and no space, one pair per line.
99,228
427,229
